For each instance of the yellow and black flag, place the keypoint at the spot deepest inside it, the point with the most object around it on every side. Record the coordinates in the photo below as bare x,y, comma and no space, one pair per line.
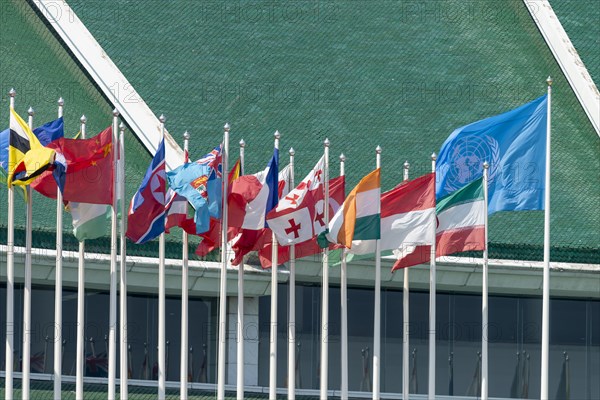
27,158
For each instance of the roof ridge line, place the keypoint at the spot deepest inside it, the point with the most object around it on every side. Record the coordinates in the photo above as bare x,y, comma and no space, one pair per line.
567,57
109,78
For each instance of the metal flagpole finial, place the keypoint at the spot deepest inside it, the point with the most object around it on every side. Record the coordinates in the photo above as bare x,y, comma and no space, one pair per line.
12,92
378,149
115,113
122,127
162,119
277,135
30,111
433,156
326,142
61,102
83,119
549,81
292,151
486,165
242,143
227,127
342,157
406,164
186,135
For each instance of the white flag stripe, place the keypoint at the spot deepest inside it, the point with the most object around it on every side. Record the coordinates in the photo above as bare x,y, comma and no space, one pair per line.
297,227
407,228
461,216
368,203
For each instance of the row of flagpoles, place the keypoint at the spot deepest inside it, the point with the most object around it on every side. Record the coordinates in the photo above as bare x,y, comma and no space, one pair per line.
281,206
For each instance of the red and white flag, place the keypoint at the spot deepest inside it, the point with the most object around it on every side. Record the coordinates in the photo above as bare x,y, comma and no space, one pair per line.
292,220
337,194
255,239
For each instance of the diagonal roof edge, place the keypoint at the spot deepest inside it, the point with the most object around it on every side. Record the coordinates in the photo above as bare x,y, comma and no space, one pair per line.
107,76
567,58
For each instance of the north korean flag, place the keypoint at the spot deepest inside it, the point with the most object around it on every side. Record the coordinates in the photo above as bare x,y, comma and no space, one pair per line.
146,218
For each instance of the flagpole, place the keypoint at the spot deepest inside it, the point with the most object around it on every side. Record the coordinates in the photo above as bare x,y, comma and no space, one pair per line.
240,306
484,291
546,285
80,362
344,306
377,309
273,343
124,370
58,285
10,284
432,295
161,299
406,324
223,280
183,367
112,320
292,305
325,286
26,360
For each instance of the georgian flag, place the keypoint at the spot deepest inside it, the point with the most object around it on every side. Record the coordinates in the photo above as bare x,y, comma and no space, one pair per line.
293,221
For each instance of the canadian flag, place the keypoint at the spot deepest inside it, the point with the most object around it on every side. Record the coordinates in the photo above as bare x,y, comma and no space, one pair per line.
292,220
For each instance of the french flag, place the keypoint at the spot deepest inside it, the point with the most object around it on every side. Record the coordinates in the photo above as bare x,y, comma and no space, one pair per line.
253,196
146,219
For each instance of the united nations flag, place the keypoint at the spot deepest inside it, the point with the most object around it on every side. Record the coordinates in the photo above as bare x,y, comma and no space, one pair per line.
514,145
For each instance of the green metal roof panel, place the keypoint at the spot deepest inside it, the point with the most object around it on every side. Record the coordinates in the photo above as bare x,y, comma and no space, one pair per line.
581,22
35,63
399,74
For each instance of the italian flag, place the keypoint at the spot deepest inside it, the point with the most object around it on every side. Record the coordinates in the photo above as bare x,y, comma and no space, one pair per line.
461,226
359,216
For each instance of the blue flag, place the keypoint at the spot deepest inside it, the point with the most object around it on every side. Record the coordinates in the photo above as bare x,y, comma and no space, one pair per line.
50,131
514,145
214,160
191,181
4,135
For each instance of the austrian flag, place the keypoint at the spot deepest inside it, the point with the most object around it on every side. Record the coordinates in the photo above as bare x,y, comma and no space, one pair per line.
292,220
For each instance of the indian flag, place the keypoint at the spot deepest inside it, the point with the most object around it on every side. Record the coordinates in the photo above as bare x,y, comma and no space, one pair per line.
461,226
359,216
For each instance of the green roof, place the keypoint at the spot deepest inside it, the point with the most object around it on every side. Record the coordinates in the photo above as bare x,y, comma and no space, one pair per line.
580,20
363,73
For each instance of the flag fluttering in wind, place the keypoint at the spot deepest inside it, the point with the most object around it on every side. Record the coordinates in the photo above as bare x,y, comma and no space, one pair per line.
406,217
90,221
211,239
27,158
253,196
514,145
460,227
200,183
89,173
359,216
309,247
292,221
4,138
146,219
50,131
249,240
